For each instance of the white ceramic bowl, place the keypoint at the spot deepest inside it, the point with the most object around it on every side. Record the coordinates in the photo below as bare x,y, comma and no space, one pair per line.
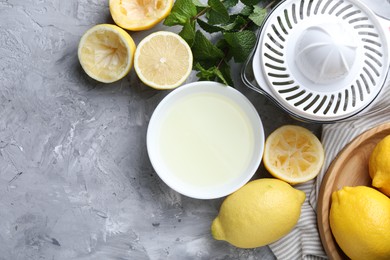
205,140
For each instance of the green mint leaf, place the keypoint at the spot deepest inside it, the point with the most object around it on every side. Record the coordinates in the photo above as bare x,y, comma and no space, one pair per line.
204,50
213,74
188,32
182,11
230,3
201,8
218,13
247,10
222,44
205,74
235,24
198,3
221,77
250,2
225,74
208,27
241,44
258,15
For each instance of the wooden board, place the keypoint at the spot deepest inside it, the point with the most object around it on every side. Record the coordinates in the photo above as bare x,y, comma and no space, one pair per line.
349,168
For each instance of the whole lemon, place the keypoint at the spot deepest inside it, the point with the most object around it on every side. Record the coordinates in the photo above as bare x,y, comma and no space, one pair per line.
259,213
379,166
360,222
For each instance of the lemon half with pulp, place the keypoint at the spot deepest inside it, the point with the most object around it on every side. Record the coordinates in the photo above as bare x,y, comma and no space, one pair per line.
106,52
294,154
137,15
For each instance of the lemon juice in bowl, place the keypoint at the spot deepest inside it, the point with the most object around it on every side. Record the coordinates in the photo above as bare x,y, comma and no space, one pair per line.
205,140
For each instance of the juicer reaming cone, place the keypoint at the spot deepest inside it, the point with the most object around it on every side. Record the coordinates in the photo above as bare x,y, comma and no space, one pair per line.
320,60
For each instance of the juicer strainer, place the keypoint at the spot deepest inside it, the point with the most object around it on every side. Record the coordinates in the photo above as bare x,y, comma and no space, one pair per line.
320,60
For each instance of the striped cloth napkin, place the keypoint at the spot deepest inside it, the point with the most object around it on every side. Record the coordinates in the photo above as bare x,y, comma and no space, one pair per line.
304,242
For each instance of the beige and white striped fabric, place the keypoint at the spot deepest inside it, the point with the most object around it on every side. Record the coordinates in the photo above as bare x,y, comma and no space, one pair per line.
304,241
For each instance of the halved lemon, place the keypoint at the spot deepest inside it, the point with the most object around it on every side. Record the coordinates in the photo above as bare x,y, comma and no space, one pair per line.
106,52
293,154
163,60
137,15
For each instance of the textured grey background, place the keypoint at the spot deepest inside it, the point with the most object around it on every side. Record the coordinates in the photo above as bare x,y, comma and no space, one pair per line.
75,178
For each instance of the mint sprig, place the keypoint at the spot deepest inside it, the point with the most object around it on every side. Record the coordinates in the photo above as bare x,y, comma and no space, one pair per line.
216,34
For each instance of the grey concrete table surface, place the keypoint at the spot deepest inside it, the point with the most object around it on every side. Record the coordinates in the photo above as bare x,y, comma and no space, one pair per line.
75,178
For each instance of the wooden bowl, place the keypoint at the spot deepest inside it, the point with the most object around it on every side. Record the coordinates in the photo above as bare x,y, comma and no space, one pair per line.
349,168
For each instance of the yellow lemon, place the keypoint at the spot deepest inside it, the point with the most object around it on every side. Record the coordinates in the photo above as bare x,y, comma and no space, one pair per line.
379,166
293,154
163,60
137,15
106,52
259,213
360,222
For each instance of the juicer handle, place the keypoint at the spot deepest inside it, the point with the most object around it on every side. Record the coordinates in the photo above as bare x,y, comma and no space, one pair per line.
248,78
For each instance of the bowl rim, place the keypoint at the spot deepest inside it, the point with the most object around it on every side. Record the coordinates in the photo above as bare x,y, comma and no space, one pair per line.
228,92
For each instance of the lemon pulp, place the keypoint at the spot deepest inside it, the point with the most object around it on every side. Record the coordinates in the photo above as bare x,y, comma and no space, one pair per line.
139,15
163,60
293,154
106,52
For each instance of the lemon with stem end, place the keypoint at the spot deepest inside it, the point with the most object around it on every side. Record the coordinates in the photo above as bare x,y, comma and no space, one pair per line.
259,213
360,222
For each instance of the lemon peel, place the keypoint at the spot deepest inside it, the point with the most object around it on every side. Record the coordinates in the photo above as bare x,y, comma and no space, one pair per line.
360,222
379,166
259,213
